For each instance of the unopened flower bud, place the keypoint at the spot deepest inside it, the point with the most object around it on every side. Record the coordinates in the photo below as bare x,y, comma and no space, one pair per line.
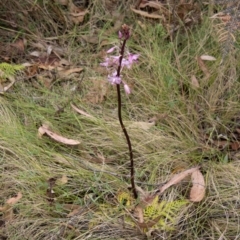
127,89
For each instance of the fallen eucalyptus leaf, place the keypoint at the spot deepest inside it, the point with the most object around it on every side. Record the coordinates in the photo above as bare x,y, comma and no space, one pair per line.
43,130
14,200
177,178
66,73
208,58
82,112
148,15
197,192
194,82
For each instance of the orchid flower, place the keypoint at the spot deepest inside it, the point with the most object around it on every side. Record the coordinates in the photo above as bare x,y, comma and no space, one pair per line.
119,62
114,79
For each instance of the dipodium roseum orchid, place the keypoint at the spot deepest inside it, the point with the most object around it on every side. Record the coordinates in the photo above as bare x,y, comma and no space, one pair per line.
113,61
114,79
118,62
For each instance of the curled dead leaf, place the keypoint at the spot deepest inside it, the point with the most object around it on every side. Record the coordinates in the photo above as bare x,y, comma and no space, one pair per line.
203,67
7,209
194,82
82,112
148,15
177,178
14,200
73,208
6,87
197,192
63,73
76,14
138,212
43,130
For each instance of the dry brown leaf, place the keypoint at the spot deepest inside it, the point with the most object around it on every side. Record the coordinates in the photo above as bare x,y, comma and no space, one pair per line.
43,130
194,82
14,200
80,13
7,208
197,192
35,53
70,207
146,200
76,14
75,209
94,39
235,146
63,180
203,67
221,144
208,58
8,213
222,16
138,212
4,88
66,73
156,5
48,62
148,15
20,44
46,81
82,112
177,178
30,69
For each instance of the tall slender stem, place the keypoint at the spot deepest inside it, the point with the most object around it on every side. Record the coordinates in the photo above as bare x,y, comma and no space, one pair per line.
121,122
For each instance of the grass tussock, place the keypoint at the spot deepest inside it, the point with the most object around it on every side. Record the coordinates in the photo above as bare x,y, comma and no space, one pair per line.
189,122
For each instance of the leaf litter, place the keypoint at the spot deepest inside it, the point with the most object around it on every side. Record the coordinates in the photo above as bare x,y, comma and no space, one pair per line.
44,129
7,209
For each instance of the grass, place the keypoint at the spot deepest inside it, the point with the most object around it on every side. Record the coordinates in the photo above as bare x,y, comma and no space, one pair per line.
161,84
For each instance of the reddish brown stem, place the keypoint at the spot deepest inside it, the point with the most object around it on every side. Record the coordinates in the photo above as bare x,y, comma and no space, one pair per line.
121,122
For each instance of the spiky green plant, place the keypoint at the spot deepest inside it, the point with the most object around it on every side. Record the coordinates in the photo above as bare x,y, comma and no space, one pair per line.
166,212
163,214
7,70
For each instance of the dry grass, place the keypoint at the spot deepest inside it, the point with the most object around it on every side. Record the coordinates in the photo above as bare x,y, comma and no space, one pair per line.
161,85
